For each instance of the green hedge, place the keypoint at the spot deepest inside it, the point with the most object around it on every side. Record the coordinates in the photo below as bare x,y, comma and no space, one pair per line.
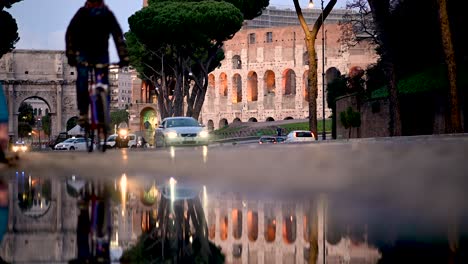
431,79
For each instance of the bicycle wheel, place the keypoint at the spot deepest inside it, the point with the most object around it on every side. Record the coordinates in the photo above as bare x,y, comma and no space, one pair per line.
101,107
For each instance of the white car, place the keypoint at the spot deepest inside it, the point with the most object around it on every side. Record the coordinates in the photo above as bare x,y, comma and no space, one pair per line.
72,144
300,136
110,141
180,131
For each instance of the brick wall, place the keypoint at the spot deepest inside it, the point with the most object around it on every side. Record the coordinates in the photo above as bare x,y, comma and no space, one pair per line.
374,118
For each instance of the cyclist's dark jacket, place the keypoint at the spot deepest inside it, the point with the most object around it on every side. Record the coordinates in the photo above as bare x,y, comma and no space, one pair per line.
88,34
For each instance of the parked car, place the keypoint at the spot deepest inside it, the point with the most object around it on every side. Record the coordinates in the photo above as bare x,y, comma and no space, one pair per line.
110,141
179,131
280,139
72,144
267,140
300,136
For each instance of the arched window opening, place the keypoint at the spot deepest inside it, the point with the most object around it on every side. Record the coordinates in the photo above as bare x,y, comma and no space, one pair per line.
252,87
270,83
223,85
289,82
236,62
252,225
236,223
236,89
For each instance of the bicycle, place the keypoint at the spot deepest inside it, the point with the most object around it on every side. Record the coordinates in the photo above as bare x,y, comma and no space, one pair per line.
99,117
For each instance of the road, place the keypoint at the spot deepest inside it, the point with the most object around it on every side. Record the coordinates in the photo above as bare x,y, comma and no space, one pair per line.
403,179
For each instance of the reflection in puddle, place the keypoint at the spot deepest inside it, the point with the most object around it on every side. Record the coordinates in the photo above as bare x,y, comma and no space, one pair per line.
175,213
34,194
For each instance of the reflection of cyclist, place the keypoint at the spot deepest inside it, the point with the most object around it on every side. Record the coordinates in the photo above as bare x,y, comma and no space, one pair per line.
87,45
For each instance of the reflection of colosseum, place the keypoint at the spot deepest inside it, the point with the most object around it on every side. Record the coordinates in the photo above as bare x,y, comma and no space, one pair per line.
264,75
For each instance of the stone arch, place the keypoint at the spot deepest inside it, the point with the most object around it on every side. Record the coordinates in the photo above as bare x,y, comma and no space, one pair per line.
270,119
34,194
237,120
210,125
148,123
253,119
211,85
289,82
71,122
236,62
252,225
223,123
269,223
288,118
252,86
223,226
236,88
270,82
30,125
289,228
236,223
223,85
211,224
305,81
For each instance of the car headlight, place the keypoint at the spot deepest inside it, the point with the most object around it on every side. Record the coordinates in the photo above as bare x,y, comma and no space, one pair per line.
123,133
171,135
203,134
15,148
24,148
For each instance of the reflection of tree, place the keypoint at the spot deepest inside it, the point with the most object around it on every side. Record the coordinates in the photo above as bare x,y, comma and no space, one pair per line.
179,235
46,125
72,122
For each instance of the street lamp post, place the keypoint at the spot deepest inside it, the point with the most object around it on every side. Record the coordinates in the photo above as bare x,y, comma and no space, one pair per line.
324,136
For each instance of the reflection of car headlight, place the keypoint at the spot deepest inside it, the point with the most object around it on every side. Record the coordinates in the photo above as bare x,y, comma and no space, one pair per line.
203,134
15,148
171,135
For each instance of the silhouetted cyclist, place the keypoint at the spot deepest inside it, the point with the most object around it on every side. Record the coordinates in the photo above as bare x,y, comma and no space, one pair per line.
87,45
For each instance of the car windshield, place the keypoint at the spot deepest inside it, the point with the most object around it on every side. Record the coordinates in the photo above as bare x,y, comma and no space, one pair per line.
70,140
182,122
303,134
111,138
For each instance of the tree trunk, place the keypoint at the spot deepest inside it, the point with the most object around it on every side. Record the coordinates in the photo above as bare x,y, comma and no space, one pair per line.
380,13
453,122
311,35
312,85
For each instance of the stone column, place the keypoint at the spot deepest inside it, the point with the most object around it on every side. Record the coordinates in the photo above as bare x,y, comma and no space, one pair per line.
58,110
261,232
11,105
230,238
278,96
279,232
245,235
299,233
299,98
58,201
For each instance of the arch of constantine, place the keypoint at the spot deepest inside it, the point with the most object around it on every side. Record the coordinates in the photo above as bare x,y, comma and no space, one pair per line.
264,74
43,75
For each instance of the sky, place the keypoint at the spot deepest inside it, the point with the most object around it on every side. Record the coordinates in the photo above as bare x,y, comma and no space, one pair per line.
42,23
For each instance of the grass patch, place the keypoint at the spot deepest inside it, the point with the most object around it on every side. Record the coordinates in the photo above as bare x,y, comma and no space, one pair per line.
228,130
305,126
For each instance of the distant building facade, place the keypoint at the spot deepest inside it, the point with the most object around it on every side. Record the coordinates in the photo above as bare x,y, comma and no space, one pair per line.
264,74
